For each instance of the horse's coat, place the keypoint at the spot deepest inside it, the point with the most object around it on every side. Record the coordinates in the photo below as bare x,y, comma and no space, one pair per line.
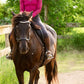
29,54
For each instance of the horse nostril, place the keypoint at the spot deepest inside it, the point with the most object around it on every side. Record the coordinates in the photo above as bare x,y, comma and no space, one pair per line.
23,50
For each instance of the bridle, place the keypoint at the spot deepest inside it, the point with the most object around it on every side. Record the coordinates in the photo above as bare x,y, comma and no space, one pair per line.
27,39
25,22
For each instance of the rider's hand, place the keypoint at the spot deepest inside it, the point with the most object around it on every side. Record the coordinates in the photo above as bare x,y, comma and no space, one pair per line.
31,18
20,12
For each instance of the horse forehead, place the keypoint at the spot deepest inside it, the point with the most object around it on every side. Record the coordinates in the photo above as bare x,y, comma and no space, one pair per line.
23,27
23,24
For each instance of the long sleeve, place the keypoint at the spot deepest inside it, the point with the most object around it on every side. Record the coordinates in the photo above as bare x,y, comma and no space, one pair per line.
39,6
22,6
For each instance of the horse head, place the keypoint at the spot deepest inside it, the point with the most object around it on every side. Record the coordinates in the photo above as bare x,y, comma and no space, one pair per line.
21,24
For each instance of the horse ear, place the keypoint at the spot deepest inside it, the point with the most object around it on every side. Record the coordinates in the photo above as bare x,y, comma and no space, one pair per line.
13,13
30,15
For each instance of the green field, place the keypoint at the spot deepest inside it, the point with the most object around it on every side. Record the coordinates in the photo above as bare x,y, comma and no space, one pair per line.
2,42
68,60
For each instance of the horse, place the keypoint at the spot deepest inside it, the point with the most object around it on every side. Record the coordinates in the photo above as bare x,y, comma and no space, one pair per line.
30,51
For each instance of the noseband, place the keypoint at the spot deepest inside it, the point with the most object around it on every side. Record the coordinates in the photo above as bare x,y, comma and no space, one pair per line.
27,39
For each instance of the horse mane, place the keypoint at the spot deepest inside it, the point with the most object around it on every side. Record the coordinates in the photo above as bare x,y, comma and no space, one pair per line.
23,17
19,17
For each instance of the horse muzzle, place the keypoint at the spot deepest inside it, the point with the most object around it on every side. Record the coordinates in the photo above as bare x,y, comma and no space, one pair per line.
23,47
23,52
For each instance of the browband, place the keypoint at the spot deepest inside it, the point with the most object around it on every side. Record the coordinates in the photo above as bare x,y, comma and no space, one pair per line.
25,22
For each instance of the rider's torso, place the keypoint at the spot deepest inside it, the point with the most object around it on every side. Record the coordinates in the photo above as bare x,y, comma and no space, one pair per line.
30,5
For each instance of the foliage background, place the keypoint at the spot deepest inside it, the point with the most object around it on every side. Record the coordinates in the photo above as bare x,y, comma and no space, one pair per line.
60,12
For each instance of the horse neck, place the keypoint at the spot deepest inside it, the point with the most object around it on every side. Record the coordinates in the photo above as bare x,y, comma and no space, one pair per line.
35,38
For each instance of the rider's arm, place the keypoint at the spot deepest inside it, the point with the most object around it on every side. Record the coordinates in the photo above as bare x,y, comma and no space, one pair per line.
39,6
21,5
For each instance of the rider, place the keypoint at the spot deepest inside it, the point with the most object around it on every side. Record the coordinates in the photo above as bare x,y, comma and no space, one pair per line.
35,6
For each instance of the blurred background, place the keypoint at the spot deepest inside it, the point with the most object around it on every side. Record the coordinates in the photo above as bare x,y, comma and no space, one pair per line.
67,18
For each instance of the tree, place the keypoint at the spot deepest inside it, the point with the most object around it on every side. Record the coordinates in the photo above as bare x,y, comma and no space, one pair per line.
56,12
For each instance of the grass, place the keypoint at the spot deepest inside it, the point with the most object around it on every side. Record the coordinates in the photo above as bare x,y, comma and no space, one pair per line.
7,72
2,41
70,60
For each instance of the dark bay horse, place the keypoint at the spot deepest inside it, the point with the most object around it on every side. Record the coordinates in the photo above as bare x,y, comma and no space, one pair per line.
29,53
